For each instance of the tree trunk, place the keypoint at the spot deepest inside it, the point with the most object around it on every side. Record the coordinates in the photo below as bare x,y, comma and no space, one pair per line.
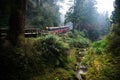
17,21
38,3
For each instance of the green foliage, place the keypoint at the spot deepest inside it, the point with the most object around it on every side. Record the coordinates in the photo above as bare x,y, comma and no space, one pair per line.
114,36
72,56
101,65
99,46
53,50
113,46
56,74
100,68
37,59
114,41
116,13
84,16
71,59
77,39
41,14
15,61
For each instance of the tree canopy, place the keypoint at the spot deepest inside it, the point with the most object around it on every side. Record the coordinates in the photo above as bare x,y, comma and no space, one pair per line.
42,13
84,16
114,38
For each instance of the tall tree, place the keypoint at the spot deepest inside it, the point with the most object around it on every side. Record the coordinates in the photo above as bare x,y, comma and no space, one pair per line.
17,21
114,38
84,16
42,13
15,9
74,14
114,41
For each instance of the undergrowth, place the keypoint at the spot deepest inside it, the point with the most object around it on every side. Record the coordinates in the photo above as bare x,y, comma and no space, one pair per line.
44,58
101,64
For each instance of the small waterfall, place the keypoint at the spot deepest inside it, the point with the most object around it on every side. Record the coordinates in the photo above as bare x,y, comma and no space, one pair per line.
78,74
81,70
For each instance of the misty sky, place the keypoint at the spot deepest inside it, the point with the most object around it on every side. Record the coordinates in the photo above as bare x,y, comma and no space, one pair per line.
102,6
105,5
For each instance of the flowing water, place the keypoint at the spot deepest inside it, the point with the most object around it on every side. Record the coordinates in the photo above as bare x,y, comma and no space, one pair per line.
80,70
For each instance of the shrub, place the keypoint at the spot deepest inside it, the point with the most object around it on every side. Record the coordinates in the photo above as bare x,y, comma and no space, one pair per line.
56,74
99,47
45,57
113,44
101,65
77,40
19,63
53,50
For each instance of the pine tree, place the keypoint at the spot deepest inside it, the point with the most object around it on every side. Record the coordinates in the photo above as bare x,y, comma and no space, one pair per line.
114,41
114,38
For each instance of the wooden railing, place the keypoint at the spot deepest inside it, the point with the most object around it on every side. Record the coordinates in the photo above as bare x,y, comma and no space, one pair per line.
30,32
34,32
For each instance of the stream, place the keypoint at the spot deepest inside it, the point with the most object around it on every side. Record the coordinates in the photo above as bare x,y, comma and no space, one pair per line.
80,69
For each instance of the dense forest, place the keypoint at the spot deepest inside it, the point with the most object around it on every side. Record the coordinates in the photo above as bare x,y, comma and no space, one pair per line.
86,18
89,49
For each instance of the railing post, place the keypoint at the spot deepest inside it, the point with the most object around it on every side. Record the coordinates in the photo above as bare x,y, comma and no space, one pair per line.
0,33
